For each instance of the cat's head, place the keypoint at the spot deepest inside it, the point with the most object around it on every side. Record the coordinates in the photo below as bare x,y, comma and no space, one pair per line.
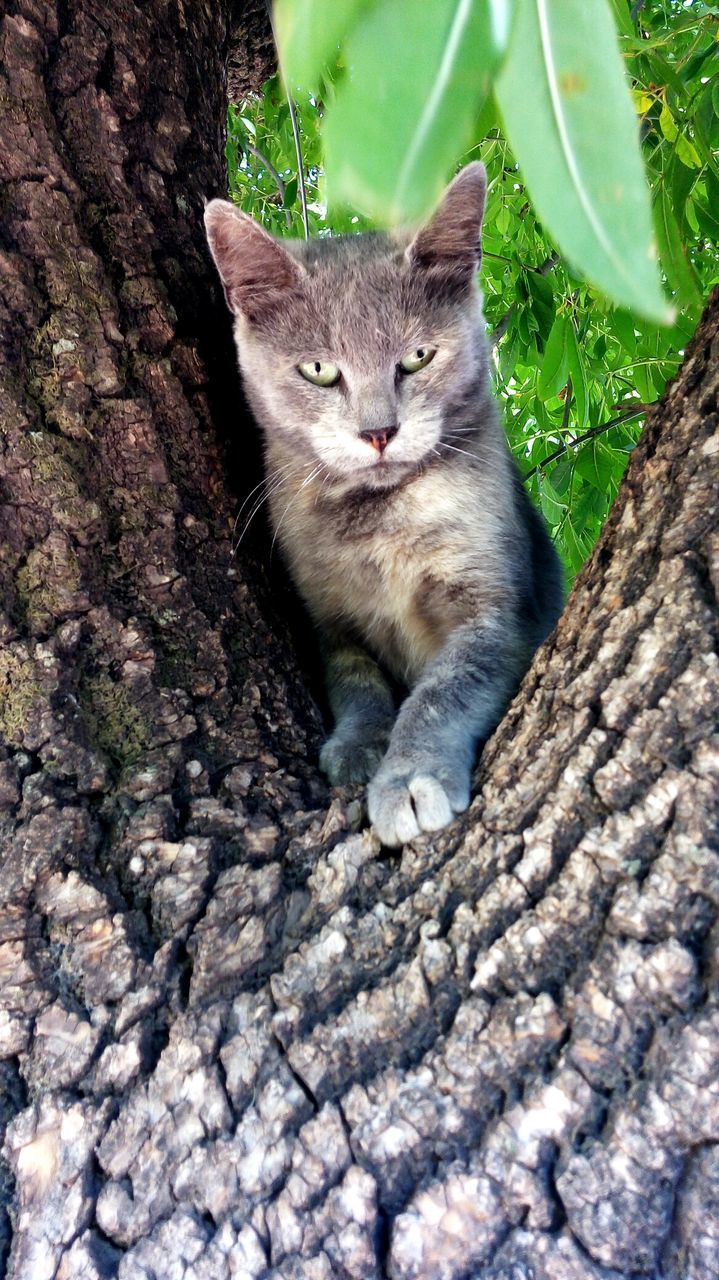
361,353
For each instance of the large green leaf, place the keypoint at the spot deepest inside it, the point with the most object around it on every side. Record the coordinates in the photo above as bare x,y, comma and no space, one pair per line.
404,111
572,124
308,35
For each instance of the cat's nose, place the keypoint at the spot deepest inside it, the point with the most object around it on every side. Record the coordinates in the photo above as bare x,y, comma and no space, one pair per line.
379,439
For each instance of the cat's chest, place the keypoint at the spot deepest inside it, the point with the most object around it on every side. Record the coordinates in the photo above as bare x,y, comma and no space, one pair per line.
394,581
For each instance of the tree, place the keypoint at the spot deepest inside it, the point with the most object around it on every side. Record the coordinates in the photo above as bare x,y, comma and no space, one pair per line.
237,1037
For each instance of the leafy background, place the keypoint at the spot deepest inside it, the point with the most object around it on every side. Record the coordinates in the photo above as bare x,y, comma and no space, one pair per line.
574,373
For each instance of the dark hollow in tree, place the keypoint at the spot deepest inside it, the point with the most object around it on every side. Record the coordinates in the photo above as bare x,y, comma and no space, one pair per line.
235,1037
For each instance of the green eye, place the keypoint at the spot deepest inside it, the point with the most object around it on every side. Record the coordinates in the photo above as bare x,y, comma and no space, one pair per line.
417,359
322,372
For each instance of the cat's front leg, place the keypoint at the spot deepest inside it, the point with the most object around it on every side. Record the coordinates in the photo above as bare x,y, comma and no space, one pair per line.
424,779
363,710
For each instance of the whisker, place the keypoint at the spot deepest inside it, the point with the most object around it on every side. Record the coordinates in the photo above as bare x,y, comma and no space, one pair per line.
445,445
266,479
321,489
271,489
313,474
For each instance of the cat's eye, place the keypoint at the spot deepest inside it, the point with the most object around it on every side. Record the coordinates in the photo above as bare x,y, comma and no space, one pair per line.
417,359
322,372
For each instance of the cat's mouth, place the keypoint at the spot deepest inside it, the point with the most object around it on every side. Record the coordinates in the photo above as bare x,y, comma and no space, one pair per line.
386,472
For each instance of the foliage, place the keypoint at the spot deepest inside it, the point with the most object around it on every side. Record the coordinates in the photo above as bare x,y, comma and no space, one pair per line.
406,94
568,362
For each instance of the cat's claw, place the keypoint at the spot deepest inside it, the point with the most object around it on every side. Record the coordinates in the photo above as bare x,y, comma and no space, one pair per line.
402,807
342,760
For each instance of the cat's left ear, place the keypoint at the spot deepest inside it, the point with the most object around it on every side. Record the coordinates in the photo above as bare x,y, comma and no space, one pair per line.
257,272
451,238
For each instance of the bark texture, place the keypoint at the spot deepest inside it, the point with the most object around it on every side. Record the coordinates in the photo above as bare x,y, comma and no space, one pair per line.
237,1038
252,55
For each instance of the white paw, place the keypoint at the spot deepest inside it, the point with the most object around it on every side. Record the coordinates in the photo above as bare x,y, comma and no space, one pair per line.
343,760
403,804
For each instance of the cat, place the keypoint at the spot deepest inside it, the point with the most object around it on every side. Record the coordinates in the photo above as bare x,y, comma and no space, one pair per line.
392,492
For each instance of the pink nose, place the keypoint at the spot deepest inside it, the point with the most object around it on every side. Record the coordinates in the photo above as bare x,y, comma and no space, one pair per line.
379,439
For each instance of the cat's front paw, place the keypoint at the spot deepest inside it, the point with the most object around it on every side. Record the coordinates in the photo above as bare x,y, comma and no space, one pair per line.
405,801
343,759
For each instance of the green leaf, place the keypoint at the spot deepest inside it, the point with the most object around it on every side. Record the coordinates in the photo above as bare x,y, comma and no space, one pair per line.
708,218
599,465
680,272
555,365
542,295
571,122
290,192
574,546
561,475
308,34
622,324
667,124
403,114
552,505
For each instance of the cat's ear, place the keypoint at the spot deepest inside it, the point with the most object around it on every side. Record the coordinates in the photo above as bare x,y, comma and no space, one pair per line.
255,270
451,238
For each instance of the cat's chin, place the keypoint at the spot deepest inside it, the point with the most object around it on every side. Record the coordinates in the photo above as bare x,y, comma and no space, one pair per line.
379,478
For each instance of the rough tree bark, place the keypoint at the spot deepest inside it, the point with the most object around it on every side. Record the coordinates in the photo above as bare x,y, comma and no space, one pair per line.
237,1039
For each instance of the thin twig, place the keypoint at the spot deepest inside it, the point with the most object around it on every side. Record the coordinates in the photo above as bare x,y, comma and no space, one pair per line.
278,181
635,412
295,130
300,169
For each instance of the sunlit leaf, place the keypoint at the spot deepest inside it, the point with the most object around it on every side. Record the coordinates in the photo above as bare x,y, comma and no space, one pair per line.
570,118
404,111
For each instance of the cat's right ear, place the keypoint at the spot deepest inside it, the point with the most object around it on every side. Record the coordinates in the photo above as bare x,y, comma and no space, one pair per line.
450,241
255,270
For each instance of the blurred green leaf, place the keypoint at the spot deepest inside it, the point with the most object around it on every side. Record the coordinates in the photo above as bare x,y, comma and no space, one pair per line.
572,124
308,35
427,74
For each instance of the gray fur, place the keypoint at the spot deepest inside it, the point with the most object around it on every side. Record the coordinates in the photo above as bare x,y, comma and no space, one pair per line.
426,562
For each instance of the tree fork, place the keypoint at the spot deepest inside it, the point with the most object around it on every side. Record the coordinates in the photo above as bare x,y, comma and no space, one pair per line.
236,1036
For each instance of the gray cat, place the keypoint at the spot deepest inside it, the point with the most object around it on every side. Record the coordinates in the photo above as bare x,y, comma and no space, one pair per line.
392,492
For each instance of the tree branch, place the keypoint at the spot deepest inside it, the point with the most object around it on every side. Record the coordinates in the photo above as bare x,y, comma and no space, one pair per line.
278,181
635,412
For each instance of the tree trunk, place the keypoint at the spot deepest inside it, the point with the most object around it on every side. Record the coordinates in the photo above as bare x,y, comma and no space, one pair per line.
237,1038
